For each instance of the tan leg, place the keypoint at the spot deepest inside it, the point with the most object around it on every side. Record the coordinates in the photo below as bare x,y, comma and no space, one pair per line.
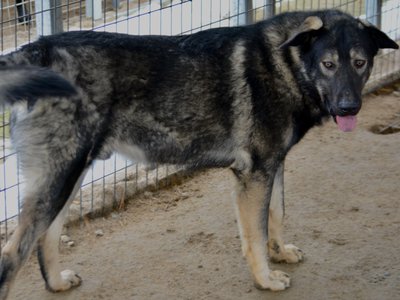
46,196
14,254
251,209
57,280
277,250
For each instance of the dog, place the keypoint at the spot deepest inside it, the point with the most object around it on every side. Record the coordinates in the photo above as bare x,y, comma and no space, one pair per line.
28,82
237,97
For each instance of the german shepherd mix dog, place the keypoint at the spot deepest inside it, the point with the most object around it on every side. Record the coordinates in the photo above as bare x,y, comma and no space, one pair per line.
229,97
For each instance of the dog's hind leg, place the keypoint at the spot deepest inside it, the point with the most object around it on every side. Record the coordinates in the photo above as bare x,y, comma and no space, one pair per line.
48,189
56,279
252,201
278,251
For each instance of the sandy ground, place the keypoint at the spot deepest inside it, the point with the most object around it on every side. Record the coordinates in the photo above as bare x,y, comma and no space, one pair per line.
343,210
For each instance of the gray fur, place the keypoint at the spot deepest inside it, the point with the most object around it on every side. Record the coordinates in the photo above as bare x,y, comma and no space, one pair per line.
231,97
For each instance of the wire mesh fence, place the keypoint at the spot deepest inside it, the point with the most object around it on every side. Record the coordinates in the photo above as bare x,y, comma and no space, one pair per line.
109,182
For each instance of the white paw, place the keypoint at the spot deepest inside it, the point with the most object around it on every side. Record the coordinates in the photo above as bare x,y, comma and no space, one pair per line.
71,277
290,254
293,254
276,281
67,280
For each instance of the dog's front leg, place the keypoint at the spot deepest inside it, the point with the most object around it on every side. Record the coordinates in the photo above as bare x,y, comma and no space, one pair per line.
277,250
252,202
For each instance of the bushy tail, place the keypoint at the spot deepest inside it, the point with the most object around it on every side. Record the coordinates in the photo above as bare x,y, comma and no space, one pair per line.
26,82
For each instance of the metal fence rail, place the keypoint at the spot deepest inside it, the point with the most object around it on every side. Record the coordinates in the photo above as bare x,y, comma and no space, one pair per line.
22,21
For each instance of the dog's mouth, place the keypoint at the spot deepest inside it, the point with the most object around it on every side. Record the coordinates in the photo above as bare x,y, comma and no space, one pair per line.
346,123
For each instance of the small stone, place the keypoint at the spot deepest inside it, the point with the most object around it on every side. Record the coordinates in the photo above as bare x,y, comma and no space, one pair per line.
99,232
65,238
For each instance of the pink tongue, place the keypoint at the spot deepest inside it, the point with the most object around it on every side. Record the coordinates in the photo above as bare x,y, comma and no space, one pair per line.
346,123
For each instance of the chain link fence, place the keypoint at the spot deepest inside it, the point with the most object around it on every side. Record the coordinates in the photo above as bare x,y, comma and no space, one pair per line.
110,182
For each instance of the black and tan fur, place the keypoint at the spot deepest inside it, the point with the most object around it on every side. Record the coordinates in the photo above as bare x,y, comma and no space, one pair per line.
236,97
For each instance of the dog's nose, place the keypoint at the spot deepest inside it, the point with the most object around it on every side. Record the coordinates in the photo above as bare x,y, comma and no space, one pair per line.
347,107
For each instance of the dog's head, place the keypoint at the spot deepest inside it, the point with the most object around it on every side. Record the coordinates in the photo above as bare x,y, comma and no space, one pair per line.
338,52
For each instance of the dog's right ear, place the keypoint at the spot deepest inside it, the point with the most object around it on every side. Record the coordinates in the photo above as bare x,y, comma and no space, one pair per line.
303,35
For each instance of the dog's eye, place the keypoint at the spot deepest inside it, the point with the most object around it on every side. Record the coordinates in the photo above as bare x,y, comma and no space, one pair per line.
359,63
328,65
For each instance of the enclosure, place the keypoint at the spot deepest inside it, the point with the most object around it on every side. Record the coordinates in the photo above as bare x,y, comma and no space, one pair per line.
110,183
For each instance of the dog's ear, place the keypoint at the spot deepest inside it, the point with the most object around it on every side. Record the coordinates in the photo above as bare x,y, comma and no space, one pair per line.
305,32
380,38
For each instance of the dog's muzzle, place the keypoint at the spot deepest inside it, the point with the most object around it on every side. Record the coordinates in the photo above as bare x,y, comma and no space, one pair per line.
348,108
345,115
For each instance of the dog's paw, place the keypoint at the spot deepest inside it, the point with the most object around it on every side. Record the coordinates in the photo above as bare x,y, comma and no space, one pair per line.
276,281
68,279
71,277
290,254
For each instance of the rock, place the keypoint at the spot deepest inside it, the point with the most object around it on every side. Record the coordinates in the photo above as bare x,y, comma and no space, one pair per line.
99,232
65,238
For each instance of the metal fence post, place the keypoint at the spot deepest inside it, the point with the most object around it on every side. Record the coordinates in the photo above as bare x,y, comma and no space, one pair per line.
93,9
241,12
373,11
48,17
22,11
249,12
269,9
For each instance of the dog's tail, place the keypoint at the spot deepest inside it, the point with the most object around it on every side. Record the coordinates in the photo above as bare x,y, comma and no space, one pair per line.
26,82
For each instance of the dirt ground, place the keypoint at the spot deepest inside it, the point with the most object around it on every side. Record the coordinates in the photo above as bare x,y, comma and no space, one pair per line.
343,210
